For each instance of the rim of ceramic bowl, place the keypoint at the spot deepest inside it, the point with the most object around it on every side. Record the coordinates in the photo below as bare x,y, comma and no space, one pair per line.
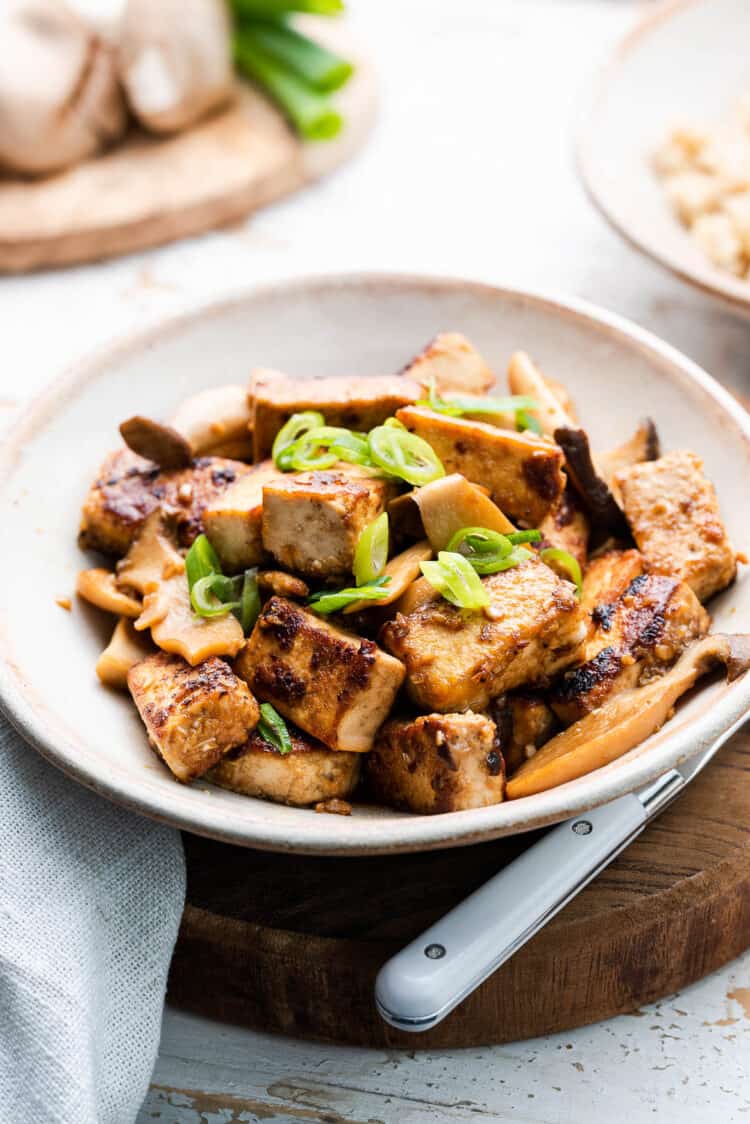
397,832
712,282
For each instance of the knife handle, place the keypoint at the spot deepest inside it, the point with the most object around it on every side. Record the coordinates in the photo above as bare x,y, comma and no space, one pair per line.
420,985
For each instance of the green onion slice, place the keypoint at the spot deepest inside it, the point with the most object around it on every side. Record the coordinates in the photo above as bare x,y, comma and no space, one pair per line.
324,445
332,601
371,554
291,432
518,537
394,423
273,729
205,597
454,577
558,560
201,561
248,610
525,420
476,403
403,454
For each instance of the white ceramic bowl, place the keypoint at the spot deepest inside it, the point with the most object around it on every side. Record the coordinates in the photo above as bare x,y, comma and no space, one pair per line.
339,325
687,62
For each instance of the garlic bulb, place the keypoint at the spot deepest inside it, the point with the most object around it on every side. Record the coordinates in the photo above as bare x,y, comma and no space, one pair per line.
175,60
60,99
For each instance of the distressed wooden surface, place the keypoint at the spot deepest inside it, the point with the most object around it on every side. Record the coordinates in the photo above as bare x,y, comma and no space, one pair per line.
468,172
282,944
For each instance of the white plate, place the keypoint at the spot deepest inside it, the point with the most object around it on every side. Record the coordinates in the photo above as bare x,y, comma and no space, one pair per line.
344,325
687,62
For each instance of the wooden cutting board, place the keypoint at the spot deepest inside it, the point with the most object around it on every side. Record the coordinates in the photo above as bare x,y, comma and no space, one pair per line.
292,944
149,190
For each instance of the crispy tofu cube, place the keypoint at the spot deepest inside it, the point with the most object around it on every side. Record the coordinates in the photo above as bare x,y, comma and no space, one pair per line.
608,576
354,402
454,364
524,721
309,773
312,520
332,684
523,472
459,661
128,489
644,630
673,512
193,715
233,522
437,763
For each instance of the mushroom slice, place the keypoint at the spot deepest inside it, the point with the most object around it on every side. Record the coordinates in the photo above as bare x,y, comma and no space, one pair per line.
99,587
403,569
156,442
59,96
642,446
525,378
126,648
451,503
175,60
175,628
627,720
601,505
215,420
151,559
282,584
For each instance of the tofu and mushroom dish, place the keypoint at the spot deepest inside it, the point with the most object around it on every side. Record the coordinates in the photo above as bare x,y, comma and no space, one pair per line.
415,590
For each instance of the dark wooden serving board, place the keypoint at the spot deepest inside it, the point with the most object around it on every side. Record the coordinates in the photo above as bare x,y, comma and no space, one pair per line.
293,943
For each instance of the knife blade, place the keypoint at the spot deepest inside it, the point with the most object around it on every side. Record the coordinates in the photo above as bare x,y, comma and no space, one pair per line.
427,979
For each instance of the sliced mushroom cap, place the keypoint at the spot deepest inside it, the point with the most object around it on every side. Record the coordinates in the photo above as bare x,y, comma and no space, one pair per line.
626,720
175,60
156,442
126,648
403,569
60,100
99,588
175,628
216,420
642,446
152,558
606,514
525,378
451,503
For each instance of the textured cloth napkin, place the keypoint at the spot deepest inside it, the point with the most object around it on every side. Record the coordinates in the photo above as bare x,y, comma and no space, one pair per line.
90,901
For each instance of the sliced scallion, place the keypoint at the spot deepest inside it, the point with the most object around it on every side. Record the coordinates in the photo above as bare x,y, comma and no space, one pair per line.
404,455
201,561
331,601
273,729
456,580
558,560
371,554
290,433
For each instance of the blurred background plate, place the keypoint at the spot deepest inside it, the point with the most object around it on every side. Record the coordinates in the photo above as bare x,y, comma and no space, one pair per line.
687,62
351,324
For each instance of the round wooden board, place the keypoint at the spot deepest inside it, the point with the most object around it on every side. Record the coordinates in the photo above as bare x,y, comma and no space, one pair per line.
149,190
293,944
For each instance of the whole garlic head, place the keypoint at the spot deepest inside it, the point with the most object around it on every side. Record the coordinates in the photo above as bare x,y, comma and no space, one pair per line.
60,99
175,60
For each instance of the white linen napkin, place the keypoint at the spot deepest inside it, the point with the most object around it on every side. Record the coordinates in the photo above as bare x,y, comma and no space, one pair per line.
90,902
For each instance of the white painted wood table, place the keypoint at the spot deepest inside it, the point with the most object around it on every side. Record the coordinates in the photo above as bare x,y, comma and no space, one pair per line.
469,172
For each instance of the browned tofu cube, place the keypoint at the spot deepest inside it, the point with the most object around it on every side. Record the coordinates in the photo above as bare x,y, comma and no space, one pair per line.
308,774
453,363
312,521
437,763
644,630
607,577
673,512
354,402
193,715
233,522
454,660
523,472
332,684
128,489
524,721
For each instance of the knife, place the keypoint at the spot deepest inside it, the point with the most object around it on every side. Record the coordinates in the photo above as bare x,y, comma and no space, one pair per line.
420,985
